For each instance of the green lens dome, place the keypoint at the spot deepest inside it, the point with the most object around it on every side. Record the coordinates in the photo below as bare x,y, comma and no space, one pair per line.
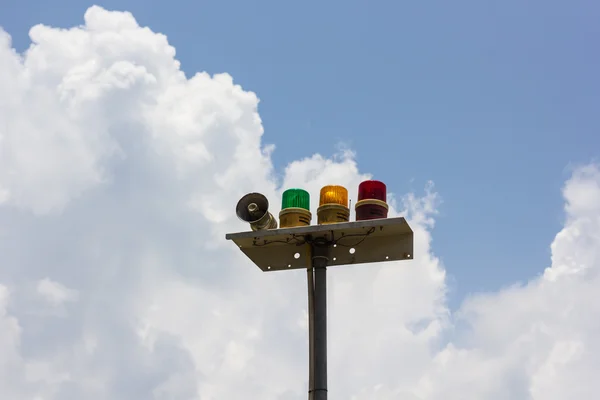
295,198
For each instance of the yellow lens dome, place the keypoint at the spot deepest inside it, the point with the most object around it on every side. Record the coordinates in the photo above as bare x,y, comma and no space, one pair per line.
333,194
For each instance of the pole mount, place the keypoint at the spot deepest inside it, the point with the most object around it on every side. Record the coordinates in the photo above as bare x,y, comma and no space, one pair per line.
370,241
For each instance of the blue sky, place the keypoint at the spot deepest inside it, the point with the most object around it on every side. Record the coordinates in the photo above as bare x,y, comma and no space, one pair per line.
494,103
119,176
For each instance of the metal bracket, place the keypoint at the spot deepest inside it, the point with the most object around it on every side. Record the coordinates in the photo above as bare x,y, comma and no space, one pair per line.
376,240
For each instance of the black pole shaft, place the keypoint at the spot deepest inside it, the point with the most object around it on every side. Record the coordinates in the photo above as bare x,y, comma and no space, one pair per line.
320,259
320,355
310,276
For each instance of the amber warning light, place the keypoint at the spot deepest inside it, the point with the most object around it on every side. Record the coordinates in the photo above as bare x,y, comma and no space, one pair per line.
333,205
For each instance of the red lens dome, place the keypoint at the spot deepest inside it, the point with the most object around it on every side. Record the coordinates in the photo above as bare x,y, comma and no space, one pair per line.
372,190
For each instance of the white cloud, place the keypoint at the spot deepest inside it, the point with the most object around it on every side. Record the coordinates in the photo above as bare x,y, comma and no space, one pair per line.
118,177
54,292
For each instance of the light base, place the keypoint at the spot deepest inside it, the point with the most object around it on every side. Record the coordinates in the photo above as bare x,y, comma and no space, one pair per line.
332,214
294,216
370,209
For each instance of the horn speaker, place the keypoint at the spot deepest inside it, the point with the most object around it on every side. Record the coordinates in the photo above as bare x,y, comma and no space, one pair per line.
254,209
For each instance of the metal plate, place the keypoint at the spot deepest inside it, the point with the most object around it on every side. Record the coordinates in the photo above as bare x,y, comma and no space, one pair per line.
375,240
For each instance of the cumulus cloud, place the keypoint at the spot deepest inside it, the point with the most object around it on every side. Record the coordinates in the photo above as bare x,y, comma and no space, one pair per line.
118,177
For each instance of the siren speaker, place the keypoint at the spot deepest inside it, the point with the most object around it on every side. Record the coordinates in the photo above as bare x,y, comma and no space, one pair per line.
254,209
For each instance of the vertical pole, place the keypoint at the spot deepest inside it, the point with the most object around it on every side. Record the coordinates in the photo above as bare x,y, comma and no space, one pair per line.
311,333
319,260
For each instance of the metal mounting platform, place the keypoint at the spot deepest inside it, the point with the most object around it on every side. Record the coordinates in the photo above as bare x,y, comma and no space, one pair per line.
375,240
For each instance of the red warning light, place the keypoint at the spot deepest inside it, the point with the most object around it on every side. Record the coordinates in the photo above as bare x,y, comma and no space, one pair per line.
371,204
372,190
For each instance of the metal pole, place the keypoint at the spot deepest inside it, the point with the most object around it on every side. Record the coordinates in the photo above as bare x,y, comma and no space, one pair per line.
311,323
319,260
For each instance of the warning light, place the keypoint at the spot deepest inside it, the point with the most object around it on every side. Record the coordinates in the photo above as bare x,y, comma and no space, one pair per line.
333,194
295,209
297,198
372,190
371,204
333,205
